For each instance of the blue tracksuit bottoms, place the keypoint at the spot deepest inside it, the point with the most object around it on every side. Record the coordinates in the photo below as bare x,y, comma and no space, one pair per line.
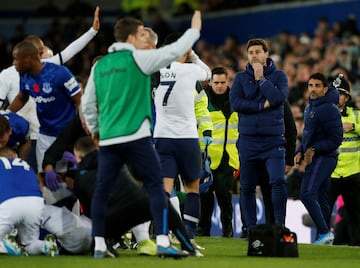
315,186
256,152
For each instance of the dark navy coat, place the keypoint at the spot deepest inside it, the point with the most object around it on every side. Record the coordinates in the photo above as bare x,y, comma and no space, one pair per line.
323,127
248,96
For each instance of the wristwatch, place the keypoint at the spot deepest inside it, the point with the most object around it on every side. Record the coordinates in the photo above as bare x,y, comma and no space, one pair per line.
261,78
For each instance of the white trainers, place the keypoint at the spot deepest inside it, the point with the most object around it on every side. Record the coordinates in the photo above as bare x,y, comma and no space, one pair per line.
196,253
13,247
173,239
50,246
196,246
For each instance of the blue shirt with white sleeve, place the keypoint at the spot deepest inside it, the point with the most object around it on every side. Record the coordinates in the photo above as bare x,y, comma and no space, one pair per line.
52,90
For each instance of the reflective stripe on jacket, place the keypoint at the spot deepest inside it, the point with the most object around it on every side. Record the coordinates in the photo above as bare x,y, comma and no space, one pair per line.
349,150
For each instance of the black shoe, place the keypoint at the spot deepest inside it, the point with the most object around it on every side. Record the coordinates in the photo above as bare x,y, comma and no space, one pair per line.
133,244
110,252
196,253
111,247
117,244
228,233
202,232
244,233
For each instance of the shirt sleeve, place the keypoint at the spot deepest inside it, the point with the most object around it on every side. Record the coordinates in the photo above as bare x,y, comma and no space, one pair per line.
74,48
71,85
9,84
89,104
3,90
206,72
150,61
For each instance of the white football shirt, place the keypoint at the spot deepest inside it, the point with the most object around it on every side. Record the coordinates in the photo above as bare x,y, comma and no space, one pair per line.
174,100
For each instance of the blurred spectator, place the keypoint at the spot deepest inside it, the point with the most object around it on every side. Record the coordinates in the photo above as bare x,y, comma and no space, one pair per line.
215,5
158,24
78,8
297,91
298,116
5,59
47,9
18,36
350,26
183,9
229,50
357,102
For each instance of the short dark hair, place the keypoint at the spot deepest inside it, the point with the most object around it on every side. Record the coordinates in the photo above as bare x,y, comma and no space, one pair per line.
257,42
219,70
27,48
319,76
4,125
125,27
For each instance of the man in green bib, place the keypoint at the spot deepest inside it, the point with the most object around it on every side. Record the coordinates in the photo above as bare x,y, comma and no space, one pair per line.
117,109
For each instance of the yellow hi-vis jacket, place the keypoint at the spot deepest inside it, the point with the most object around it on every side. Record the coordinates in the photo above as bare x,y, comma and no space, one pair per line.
224,136
349,150
203,119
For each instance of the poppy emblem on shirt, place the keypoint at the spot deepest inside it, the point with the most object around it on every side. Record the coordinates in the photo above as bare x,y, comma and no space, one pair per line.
36,88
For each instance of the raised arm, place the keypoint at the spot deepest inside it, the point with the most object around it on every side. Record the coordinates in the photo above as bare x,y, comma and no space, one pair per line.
153,60
194,58
77,45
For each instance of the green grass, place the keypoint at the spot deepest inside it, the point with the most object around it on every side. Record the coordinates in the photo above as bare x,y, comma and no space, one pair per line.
219,253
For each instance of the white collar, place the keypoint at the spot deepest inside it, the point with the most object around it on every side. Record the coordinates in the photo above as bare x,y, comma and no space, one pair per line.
120,46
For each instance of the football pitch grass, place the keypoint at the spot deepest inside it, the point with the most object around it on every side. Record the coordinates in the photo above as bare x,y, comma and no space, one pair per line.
219,253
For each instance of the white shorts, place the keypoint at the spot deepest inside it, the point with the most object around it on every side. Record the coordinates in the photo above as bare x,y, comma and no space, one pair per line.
23,213
42,144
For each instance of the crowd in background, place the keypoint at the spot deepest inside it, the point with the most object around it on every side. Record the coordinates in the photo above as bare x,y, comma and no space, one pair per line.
330,49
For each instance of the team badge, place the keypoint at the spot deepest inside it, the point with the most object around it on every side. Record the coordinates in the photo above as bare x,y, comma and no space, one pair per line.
47,87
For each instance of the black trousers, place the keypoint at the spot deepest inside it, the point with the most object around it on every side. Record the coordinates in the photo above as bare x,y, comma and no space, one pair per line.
349,188
221,188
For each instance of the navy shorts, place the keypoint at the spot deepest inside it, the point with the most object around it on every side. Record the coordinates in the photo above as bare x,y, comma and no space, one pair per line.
179,156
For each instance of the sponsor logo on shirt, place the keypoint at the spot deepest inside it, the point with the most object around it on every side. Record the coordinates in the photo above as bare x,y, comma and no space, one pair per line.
112,71
41,99
71,84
